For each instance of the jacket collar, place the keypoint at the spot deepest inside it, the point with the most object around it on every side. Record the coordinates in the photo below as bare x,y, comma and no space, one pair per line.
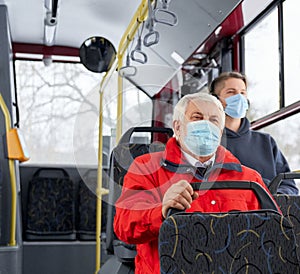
174,161
243,130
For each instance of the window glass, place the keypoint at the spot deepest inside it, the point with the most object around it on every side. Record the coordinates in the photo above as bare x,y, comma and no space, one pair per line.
137,107
59,112
252,8
262,66
52,101
287,142
291,51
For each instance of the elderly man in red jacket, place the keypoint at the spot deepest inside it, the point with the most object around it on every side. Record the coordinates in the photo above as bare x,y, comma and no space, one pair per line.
158,181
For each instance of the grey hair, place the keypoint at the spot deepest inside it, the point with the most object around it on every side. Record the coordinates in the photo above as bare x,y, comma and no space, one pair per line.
180,108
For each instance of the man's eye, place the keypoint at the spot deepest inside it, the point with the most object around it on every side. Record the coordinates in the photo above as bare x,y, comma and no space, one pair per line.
195,118
215,121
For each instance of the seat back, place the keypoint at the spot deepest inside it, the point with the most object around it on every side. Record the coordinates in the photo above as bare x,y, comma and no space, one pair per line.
236,242
87,204
260,241
277,180
51,206
290,207
121,158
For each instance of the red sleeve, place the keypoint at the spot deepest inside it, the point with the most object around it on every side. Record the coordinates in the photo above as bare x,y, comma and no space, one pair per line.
138,210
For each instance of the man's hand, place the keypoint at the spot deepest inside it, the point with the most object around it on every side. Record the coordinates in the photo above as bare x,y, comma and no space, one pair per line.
179,196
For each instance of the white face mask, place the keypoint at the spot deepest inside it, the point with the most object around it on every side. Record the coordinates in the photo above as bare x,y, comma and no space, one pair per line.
202,138
236,106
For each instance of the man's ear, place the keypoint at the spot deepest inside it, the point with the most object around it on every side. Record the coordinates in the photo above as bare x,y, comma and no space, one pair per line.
176,127
220,99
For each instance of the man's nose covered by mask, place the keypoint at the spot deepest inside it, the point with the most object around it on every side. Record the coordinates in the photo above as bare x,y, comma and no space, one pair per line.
236,106
203,138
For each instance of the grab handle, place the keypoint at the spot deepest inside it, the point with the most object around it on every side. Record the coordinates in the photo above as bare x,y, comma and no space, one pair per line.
137,54
151,38
275,183
165,17
265,199
128,70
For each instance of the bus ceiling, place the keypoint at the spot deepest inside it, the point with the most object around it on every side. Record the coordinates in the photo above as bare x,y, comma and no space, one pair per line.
164,41
104,19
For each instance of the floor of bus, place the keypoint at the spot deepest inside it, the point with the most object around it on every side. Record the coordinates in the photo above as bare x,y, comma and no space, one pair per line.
61,257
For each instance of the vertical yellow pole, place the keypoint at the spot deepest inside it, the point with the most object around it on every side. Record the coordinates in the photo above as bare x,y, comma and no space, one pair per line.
138,18
119,102
127,37
99,187
12,174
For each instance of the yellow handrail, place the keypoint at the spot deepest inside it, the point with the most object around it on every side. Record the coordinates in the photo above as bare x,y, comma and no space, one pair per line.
99,188
139,17
100,191
12,174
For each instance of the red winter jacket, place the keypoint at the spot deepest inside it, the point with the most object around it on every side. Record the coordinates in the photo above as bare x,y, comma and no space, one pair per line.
138,210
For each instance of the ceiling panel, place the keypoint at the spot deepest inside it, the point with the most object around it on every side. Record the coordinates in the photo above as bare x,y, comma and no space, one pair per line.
78,20
201,17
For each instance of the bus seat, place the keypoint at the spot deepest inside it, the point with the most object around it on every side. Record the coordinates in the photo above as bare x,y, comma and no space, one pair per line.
87,201
290,207
121,158
256,242
260,241
51,206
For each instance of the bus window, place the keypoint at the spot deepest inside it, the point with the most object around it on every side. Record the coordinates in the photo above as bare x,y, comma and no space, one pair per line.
57,101
291,51
51,101
288,143
261,64
137,109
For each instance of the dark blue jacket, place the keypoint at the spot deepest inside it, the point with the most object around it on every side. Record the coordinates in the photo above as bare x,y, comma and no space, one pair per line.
259,151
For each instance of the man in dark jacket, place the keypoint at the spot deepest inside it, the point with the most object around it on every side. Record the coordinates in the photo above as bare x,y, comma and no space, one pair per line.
254,149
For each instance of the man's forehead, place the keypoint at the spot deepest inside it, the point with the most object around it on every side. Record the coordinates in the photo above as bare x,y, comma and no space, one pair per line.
233,82
204,107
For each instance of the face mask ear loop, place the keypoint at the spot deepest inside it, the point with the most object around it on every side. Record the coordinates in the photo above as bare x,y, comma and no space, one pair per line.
248,101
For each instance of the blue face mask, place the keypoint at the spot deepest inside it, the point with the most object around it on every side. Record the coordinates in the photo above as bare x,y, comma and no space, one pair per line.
203,138
236,106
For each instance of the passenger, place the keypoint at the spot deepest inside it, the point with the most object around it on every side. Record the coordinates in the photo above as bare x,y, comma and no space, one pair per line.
156,182
254,149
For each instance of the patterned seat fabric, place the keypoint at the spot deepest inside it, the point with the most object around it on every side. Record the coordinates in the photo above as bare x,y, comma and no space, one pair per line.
236,242
87,205
50,207
290,207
